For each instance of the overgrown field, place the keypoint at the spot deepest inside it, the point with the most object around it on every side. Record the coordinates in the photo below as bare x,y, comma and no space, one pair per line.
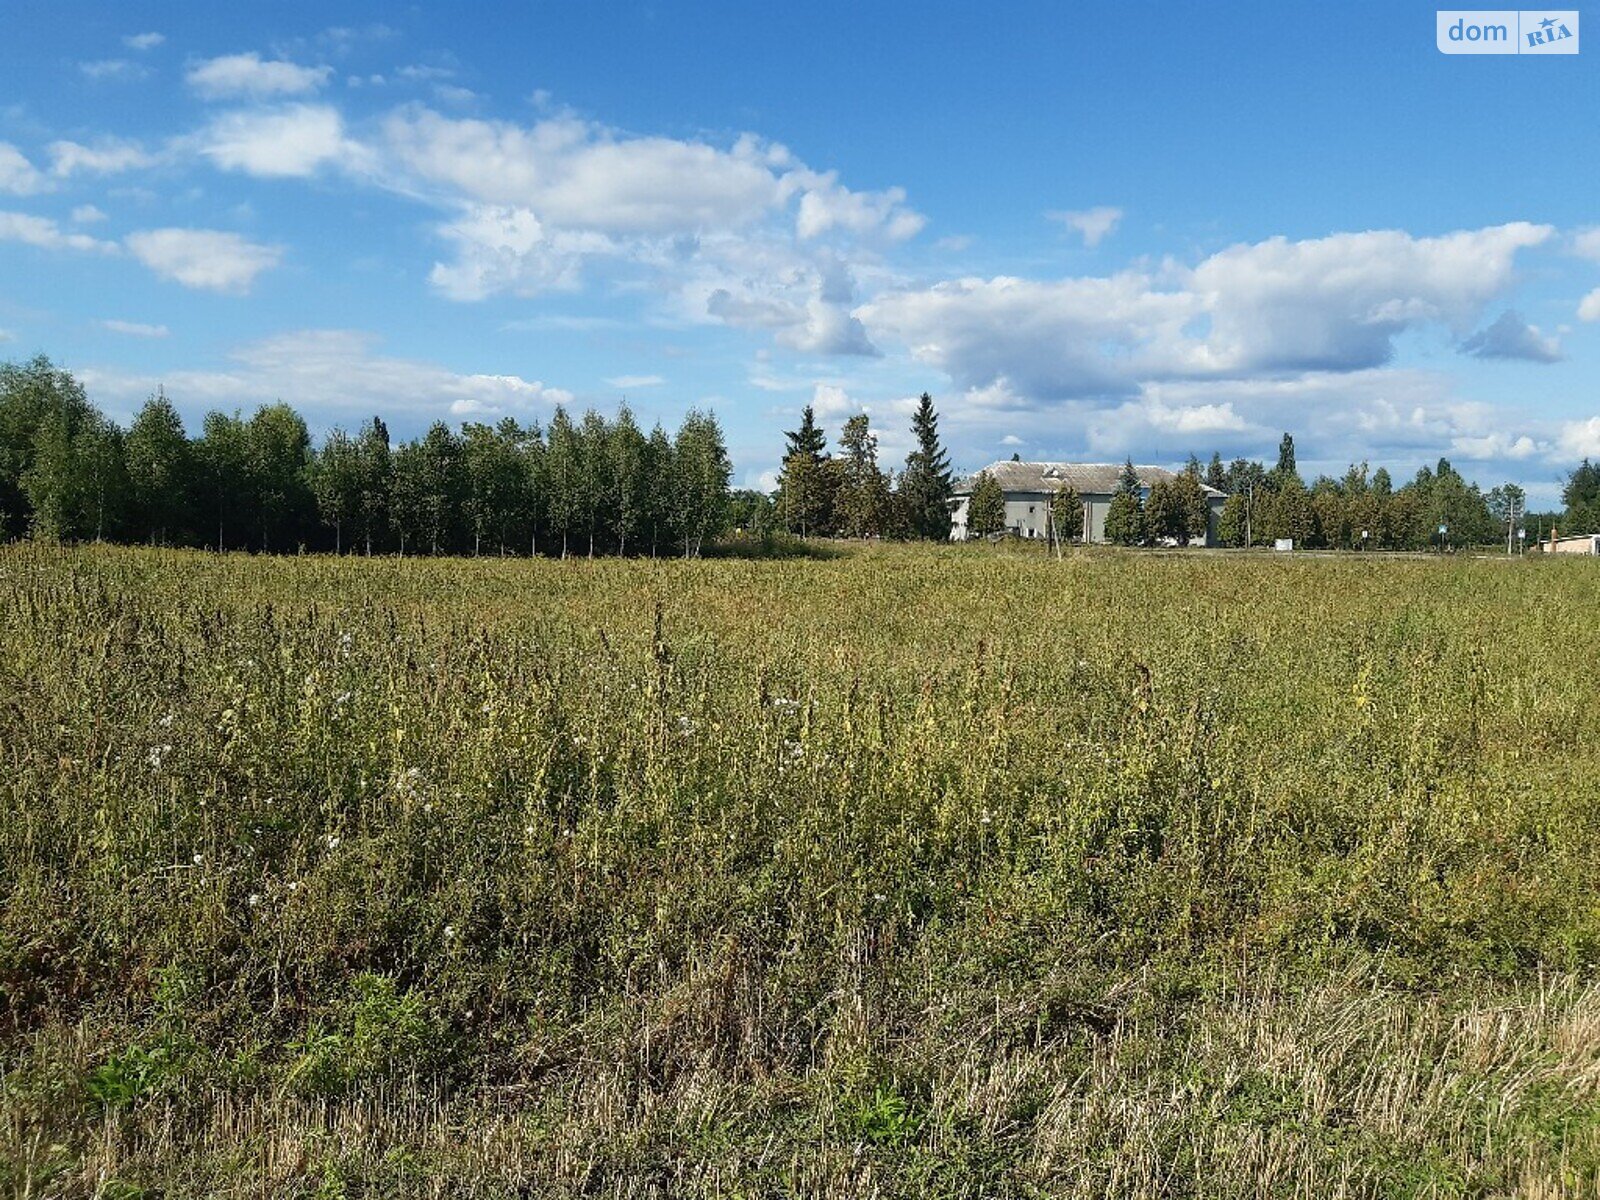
910,872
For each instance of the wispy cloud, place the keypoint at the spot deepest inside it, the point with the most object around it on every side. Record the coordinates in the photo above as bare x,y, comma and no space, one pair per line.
135,328
1094,225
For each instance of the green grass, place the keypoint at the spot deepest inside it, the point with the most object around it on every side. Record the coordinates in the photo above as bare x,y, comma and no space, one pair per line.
910,872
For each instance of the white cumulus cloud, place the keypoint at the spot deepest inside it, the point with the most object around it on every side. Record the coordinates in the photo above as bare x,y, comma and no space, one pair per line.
250,75
1326,304
294,140
143,41
1580,439
207,259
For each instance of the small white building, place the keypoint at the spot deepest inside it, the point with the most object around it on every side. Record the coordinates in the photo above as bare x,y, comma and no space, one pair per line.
1583,543
1030,487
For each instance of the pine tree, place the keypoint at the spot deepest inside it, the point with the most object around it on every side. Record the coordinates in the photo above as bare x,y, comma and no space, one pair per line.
926,484
1125,520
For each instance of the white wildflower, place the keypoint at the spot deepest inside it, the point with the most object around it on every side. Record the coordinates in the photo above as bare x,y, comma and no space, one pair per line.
255,899
333,841
199,860
449,931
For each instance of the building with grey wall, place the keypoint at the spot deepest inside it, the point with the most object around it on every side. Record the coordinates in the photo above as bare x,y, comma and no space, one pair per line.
1030,487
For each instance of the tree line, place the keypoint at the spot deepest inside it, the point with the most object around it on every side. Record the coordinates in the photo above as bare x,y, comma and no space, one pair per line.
849,495
1361,510
592,485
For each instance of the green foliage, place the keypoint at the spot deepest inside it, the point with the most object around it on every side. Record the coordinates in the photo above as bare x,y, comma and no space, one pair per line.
1177,509
986,508
1125,515
883,1119
375,1033
1066,514
861,500
127,1077
806,485
1581,495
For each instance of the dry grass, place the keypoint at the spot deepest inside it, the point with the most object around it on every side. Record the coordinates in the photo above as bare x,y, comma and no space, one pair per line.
916,872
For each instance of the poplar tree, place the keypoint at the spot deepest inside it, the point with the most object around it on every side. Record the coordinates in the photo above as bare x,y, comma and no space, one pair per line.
160,470
223,460
336,484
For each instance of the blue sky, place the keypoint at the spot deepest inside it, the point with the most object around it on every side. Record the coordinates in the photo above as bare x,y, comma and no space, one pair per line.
1090,233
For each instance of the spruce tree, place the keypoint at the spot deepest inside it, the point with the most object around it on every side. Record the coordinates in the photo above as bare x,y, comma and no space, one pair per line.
926,485
804,492
1125,524
1217,474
